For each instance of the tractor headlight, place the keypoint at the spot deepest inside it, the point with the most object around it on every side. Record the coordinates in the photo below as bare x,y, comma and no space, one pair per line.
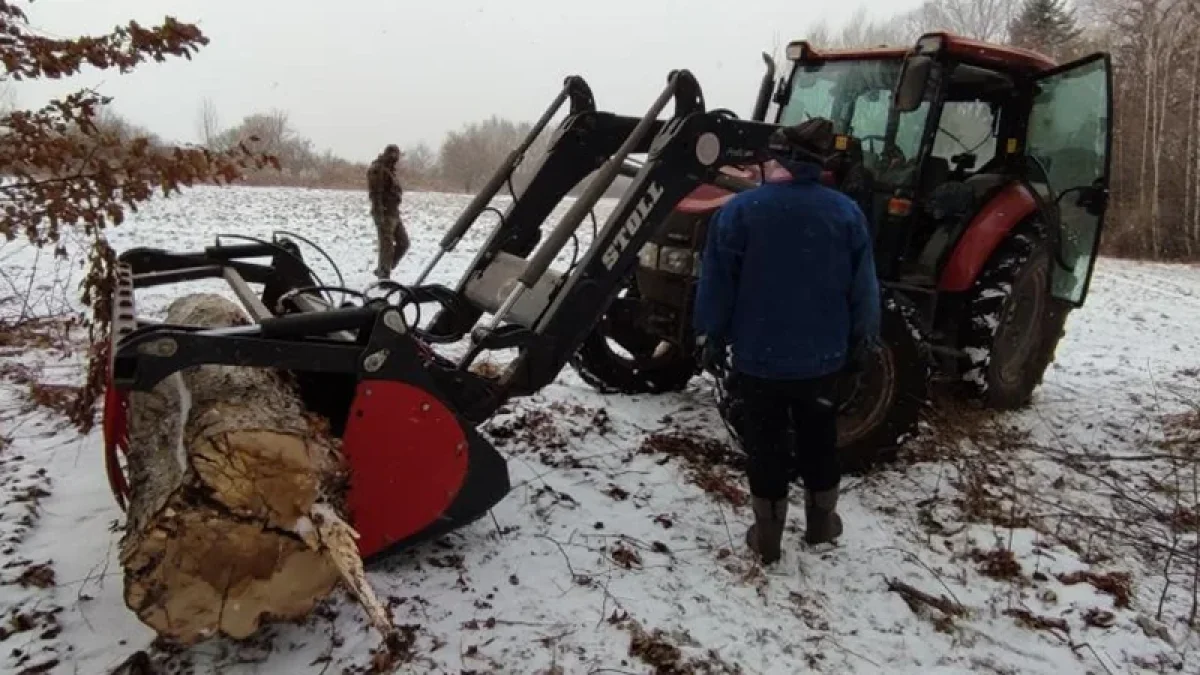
648,256
670,259
675,260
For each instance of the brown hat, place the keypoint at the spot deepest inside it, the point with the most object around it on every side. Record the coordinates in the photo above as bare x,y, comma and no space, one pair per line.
810,140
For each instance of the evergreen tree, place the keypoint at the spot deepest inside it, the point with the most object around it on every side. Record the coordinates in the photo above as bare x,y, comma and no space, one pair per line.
1046,26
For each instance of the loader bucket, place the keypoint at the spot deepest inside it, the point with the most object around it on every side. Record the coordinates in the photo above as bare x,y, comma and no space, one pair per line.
417,468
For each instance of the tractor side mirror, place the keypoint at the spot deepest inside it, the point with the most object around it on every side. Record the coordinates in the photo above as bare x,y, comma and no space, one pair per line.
910,87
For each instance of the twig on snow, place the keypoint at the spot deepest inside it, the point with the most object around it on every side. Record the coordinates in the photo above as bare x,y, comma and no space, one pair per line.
927,568
728,532
1046,623
575,577
846,649
1196,560
1090,648
916,597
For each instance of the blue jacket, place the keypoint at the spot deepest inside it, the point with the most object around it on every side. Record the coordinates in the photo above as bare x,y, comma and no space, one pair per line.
788,279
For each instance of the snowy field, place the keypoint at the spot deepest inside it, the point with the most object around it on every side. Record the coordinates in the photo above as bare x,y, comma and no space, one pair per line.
1060,540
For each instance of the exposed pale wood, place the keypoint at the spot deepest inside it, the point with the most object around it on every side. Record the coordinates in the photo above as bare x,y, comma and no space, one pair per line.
233,516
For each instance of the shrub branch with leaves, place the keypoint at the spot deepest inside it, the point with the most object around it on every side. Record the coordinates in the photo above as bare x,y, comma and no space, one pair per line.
59,169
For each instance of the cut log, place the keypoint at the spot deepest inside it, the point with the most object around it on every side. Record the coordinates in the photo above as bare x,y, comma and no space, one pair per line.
235,496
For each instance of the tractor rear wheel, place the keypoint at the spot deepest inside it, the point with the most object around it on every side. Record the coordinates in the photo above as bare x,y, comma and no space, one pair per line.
880,407
620,357
1013,323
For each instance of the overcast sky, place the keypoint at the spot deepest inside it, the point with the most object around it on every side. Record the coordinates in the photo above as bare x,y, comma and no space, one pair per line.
356,74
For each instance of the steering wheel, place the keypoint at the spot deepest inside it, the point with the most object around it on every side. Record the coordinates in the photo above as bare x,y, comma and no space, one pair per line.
724,112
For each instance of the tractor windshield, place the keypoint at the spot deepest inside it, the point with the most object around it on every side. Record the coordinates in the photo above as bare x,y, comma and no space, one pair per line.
856,95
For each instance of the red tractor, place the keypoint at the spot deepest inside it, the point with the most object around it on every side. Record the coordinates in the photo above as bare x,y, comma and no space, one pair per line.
983,255
983,171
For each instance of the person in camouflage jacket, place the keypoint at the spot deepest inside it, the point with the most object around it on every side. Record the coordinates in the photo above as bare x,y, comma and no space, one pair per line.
384,189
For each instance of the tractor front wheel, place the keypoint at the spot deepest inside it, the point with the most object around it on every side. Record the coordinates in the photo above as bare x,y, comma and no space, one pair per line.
620,357
1013,324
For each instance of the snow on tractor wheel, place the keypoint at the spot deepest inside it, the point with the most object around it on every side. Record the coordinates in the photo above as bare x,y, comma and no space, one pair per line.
1012,324
880,407
620,357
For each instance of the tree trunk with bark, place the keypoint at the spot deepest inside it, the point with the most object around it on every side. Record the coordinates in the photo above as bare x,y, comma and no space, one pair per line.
235,492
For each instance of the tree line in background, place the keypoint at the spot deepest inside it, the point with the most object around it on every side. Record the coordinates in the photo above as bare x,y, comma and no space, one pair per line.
463,162
1155,207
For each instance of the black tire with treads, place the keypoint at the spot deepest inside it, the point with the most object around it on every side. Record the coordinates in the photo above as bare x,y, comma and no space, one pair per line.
609,372
894,390
885,407
1012,324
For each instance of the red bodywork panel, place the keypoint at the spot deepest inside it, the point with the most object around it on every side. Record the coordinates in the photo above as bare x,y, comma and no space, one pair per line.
704,199
985,232
996,56
708,198
410,459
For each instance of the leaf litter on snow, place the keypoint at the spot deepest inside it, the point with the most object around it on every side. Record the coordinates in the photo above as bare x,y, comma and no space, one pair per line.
1038,522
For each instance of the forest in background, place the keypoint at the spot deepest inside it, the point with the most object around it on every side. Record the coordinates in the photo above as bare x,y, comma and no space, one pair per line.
1155,44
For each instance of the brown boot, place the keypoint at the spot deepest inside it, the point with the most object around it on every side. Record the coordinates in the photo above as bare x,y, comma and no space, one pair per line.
765,534
821,518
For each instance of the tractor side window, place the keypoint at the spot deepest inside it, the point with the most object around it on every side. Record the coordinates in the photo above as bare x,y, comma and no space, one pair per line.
1068,137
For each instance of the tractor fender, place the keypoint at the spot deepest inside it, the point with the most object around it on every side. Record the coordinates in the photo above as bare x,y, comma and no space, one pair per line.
708,198
1010,206
704,199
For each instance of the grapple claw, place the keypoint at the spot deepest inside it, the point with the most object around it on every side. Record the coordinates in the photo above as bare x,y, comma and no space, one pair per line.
417,467
116,440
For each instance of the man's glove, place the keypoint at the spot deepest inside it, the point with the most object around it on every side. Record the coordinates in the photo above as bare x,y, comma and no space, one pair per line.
711,354
859,356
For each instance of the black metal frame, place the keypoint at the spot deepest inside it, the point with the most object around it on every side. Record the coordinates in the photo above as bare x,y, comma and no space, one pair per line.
294,329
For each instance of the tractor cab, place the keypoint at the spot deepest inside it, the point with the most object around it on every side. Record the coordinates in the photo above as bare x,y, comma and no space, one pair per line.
955,133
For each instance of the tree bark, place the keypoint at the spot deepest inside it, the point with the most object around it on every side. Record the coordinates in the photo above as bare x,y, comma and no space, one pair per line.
235,492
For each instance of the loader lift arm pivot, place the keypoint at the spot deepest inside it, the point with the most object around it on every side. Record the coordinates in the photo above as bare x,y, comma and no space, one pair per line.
406,414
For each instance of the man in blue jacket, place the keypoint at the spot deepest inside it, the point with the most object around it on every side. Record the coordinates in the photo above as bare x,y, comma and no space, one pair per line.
788,282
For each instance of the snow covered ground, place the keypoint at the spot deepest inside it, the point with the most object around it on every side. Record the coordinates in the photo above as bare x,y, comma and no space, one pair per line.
620,552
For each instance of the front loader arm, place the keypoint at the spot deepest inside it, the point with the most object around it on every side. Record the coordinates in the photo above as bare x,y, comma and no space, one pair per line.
303,334
686,152
582,144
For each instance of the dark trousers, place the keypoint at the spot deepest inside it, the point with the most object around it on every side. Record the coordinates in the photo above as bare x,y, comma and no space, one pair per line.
790,429
392,240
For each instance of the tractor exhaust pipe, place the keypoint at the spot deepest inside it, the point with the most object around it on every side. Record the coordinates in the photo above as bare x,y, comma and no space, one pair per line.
561,234
574,88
